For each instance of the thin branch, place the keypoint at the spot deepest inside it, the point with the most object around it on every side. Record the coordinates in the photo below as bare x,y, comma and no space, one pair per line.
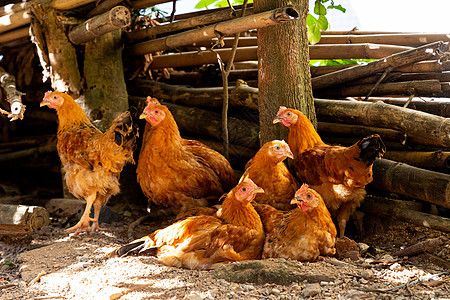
389,69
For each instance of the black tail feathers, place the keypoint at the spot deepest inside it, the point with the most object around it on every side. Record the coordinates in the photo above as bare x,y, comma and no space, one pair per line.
126,129
371,146
137,247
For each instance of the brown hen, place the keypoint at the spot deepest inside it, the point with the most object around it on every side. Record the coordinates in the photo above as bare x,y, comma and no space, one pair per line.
339,174
92,160
235,233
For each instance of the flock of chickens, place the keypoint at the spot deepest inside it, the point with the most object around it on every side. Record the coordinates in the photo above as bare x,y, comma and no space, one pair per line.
270,212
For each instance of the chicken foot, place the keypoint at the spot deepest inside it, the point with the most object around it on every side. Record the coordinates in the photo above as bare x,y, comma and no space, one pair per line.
97,209
84,224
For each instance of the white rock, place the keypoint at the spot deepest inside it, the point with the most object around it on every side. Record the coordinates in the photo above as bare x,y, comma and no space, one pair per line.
311,290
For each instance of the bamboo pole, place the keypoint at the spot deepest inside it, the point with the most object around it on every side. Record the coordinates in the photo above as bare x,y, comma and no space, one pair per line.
356,32
433,160
433,128
255,21
349,51
218,16
399,59
427,88
400,39
117,17
391,209
13,8
69,4
15,20
406,180
14,35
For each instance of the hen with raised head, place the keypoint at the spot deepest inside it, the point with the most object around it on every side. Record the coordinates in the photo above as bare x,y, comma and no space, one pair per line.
176,172
302,233
339,174
269,172
234,233
92,161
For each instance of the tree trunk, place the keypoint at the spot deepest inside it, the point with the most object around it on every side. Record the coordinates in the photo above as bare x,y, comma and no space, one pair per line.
106,93
284,77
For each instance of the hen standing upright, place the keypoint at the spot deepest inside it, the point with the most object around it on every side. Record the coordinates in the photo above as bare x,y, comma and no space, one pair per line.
269,172
235,233
339,174
92,160
302,233
176,172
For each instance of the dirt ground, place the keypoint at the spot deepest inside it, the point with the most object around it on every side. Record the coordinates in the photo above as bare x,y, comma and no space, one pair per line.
51,265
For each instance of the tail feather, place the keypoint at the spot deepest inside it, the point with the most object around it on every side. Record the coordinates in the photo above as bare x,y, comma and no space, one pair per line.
137,247
126,129
371,147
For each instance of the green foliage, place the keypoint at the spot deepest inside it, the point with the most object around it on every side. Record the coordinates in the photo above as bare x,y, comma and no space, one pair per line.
315,25
218,3
335,62
8,263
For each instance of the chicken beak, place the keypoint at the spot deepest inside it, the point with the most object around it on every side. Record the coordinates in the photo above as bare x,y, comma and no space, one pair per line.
143,115
289,154
296,200
44,103
258,190
277,120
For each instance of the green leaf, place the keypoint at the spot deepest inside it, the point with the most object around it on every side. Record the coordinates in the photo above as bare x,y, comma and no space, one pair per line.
223,3
314,34
338,7
319,8
310,20
204,3
322,23
8,263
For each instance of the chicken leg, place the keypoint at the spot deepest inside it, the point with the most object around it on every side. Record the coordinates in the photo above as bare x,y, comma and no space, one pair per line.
97,208
83,224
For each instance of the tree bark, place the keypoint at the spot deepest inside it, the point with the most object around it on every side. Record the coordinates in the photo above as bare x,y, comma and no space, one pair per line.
432,160
439,108
410,181
429,51
414,123
51,39
423,246
17,220
118,17
284,77
106,94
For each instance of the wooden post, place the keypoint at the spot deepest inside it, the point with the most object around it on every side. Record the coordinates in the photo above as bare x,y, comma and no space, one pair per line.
18,220
430,51
117,17
255,21
410,181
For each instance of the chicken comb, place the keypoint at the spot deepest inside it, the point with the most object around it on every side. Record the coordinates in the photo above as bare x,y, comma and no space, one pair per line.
243,177
281,110
47,94
152,101
303,188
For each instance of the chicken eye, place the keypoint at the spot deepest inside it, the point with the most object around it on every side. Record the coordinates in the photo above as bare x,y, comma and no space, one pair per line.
244,189
308,196
278,147
156,111
55,97
288,114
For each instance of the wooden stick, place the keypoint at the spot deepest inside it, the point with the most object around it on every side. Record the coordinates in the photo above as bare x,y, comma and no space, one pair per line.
15,20
69,4
431,160
218,16
426,88
406,180
400,39
389,208
14,35
422,246
50,148
117,17
138,4
414,123
13,8
356,31
18,220
255,21
13,96
399,59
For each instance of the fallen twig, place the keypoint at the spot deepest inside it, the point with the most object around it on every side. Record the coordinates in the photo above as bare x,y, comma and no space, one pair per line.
421,247
38,277
8,285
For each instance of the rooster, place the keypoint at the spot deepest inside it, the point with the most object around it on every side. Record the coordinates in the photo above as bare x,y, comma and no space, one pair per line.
234,233
339,174
302,233
92,161
176,172
269,172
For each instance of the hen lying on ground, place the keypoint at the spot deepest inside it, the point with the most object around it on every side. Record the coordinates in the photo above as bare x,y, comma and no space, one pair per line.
235,233
339,174
176,172
268,171
92,160
302,233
